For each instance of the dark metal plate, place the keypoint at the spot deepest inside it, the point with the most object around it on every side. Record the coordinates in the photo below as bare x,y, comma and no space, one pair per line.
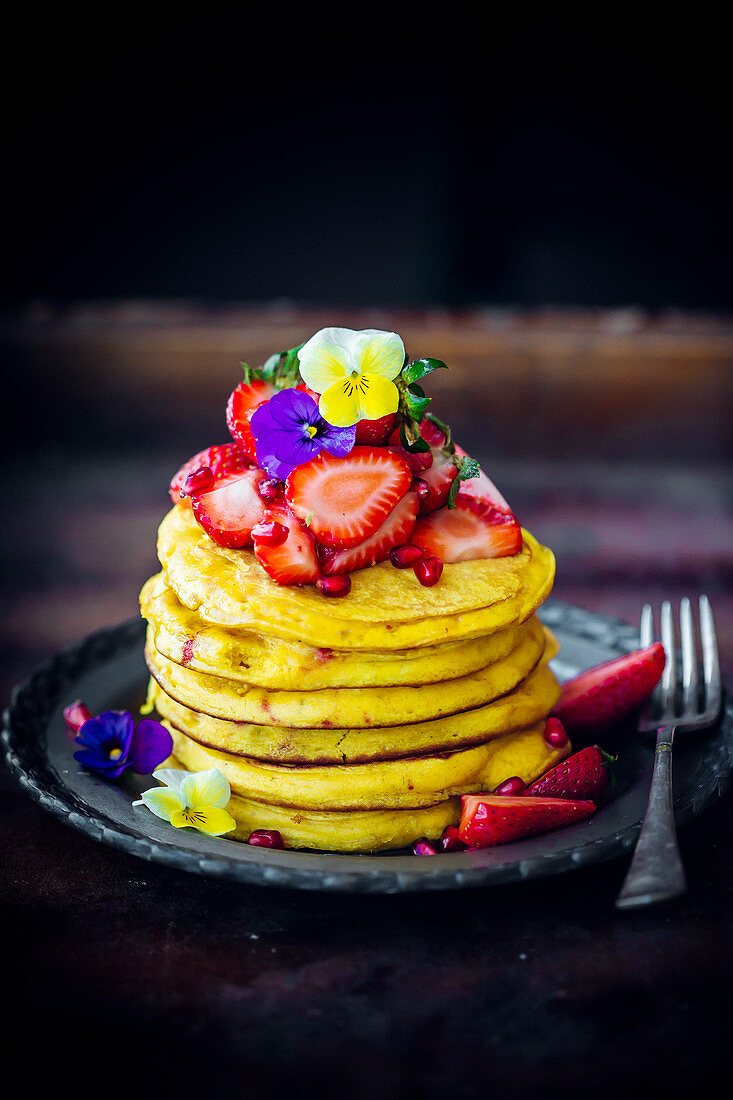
107,671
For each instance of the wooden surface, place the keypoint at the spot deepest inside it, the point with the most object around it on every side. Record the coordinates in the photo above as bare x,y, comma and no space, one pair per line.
610,434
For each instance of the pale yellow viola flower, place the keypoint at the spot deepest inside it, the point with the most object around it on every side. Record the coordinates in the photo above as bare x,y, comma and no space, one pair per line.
353,371
191,799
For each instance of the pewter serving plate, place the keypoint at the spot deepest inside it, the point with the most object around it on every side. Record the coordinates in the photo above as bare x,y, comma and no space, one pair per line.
107,672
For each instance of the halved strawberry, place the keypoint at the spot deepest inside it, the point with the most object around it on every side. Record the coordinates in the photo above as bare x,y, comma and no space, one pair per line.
294,560
395,531
416,460
345,500
243,401
470,530
223,458
231,507
605,694
375,433
585,774
482,488
489,819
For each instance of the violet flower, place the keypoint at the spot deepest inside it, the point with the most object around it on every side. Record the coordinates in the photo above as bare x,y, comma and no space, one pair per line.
111,743
289,430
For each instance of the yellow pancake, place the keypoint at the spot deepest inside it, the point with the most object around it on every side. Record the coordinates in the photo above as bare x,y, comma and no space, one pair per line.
386,609
531,701
349,707
263,660
392,784
337,831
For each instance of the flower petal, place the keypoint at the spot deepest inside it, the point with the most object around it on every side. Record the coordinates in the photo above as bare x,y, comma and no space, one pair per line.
172,777
326,357
202,790
212,821
340,404
98,761
380,353
164,802
377,396
110,726
151,745
337,441
291,409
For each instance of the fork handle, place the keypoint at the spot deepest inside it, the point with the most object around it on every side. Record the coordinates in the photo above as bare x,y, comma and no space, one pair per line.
656,871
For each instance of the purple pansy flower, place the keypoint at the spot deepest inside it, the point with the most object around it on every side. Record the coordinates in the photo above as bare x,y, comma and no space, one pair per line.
111,743
289,431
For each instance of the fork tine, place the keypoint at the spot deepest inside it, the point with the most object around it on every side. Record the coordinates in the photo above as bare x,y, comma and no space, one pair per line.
689,660
710,659
646,627
669,676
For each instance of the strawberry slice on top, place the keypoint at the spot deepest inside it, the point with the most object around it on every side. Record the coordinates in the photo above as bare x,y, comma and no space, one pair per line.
231,507
243,401
346,500
470,530
223,458
395,531
294,560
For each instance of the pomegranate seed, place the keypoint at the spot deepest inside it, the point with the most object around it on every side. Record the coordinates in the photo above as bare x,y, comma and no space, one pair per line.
266,838
340,585
450,840
270,534
512,786
270,489
200,479
76,715
421,487
402,556
424,848
428,570
555,734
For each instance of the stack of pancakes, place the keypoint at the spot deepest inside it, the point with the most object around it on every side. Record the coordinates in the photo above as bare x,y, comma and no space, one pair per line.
350,724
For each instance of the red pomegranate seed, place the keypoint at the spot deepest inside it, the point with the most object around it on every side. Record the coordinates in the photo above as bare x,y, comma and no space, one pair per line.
402,556
512,786
450,840
270,534
421,487
428,570
76,715
339,585
266,838
424,848
200,479
270,489
555,734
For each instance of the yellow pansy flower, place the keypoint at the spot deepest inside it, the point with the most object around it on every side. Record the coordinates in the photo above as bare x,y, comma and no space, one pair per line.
193,799
353,371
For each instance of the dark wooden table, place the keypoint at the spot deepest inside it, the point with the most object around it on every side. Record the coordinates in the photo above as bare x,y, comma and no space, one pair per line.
610,434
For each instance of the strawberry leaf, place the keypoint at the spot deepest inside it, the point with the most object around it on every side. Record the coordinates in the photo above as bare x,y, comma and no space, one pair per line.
467,468
420,367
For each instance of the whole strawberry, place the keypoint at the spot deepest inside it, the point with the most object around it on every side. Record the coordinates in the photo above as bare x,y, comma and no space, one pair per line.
584,775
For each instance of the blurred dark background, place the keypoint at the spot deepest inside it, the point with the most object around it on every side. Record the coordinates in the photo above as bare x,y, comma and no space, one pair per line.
448,165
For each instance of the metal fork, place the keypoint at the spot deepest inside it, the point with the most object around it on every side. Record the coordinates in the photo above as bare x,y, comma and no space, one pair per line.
656,871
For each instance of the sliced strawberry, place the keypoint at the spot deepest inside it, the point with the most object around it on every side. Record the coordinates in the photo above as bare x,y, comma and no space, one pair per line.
294,559
345,500
489,819
470,530
585,774
395,531
224,458
375,433
605,694
230,509
243,401
482,488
